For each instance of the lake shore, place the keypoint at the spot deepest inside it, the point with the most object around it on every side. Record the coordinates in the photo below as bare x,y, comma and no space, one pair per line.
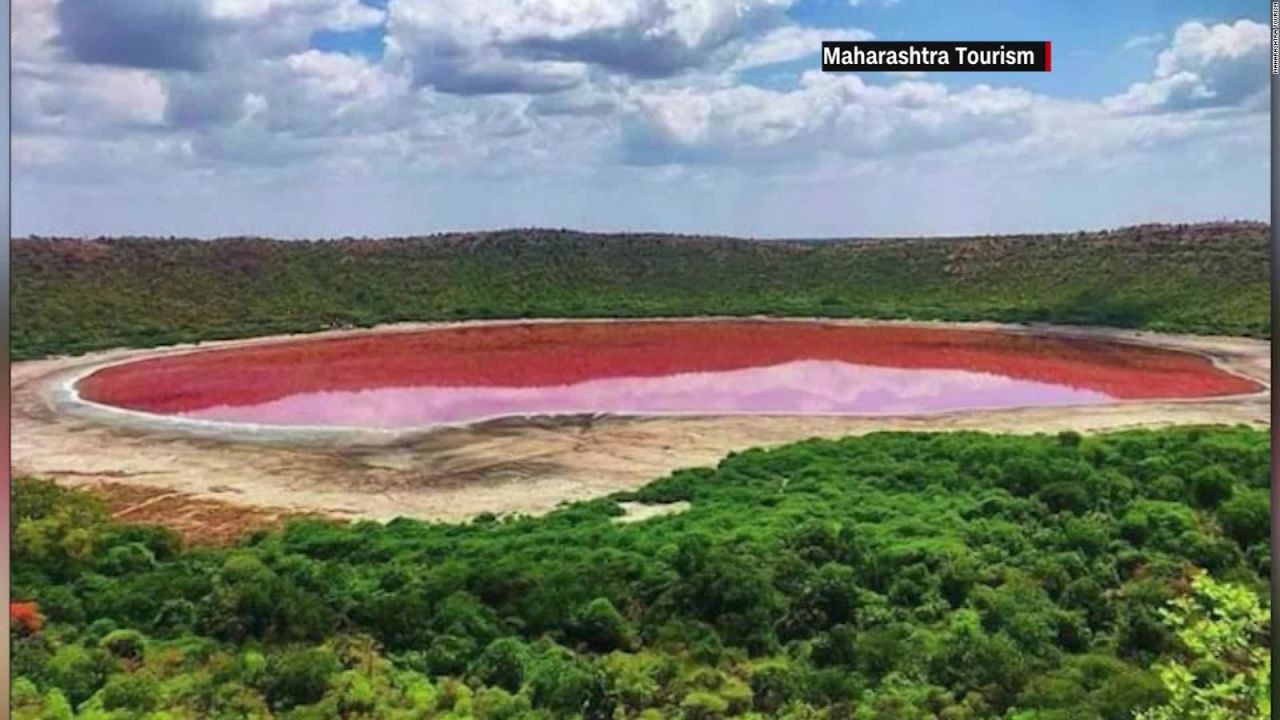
513,465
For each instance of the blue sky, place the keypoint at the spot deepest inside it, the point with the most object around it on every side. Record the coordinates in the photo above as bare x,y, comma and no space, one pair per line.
366,41
1092,57
1089,36
372,117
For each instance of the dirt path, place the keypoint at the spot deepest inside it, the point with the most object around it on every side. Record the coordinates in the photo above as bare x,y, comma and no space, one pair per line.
505,466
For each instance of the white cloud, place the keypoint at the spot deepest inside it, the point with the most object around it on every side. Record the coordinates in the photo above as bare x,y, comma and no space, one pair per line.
335,75
575,112
87,100
328,14
469,47
1143,41
1206,66
1197,46
827,113
35,27
790,43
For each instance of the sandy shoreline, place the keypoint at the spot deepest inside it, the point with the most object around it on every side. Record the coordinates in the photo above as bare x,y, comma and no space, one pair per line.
511,465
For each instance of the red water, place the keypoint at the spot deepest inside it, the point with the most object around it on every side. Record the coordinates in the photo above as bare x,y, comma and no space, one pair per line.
470,373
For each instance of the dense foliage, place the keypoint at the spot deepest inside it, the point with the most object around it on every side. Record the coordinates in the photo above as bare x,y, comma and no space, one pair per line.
72,296
897,575
1225,672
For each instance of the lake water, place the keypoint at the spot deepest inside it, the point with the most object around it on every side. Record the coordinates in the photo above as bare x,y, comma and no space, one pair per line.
465,374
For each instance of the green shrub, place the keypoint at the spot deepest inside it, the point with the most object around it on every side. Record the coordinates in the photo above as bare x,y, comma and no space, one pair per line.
601,626
773,685
1246,517
133,692
298,677
124,644
1212,485
887,575
78,672
502,664
702,705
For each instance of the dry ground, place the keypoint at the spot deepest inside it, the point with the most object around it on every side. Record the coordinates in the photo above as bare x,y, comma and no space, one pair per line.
213,486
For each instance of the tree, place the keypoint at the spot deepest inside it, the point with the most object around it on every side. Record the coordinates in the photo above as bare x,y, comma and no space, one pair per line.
834,593
1065,496
134,692
1156,523
497,704
53,527
1225,671
78,672
1246,518
1212,485
601,626
883,576
971,659
124,644
1092,686
25,616
566,685
502,664
128,559
245,600
450,654
299,677
703,705
773,684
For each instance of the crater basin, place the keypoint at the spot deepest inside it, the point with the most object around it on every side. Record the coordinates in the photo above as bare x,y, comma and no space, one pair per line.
464,374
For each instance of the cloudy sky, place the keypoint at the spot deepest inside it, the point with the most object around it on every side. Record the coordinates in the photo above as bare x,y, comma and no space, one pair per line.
374,117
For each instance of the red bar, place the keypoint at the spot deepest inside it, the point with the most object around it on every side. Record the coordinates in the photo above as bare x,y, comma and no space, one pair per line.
1048,55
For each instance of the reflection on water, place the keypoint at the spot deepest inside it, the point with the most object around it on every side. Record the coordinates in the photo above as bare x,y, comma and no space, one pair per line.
801,387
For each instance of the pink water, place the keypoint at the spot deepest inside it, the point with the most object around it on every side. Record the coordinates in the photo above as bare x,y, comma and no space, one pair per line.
467,373
802,387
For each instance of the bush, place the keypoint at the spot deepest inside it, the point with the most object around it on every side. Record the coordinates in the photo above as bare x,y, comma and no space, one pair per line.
100,628
450,654
1211,486
702,705
1167,487
497,704
1246,518
23,692
772,685
79,673
179,614
129,559
1065,497
355,695
565,685
232,699
56,706
601,626
298,677
1157,523
502,664
136,692
889,575
124,644
699,639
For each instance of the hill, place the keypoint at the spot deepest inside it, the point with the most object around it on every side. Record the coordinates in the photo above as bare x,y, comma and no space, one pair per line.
72,295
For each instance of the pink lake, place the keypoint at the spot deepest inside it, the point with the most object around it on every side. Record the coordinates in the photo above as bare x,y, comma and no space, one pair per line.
809,387
469,373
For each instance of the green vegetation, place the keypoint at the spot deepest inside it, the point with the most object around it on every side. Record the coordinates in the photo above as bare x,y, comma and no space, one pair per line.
72,296
1228,676
897,575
